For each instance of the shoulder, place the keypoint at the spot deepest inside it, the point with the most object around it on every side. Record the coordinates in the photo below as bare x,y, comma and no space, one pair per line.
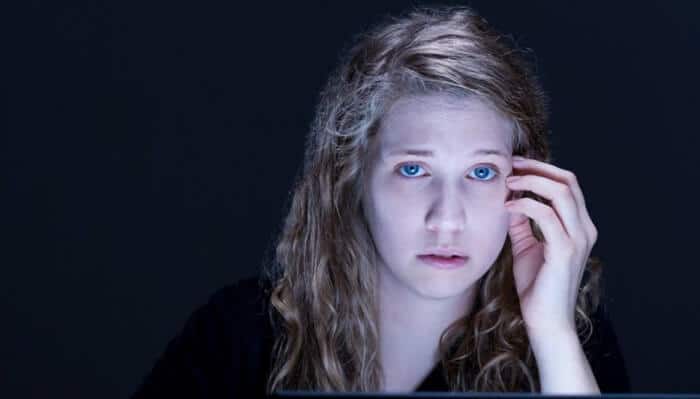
245,299
240,312
234,313
604,353
222,350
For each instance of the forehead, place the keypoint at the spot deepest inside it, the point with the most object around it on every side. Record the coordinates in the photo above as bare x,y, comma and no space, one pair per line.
445,124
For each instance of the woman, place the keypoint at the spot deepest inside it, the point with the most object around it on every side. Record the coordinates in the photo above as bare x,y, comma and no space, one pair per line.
412,258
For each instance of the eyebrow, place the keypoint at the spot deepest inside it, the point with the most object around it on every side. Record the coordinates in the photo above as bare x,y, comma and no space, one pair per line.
428,153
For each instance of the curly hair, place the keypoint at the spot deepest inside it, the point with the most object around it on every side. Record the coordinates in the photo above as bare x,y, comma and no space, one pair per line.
323,301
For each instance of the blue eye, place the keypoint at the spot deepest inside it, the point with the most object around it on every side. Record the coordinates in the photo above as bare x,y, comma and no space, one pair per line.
482,172
410,168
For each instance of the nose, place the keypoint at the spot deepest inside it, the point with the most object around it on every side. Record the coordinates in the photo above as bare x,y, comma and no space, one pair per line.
447,213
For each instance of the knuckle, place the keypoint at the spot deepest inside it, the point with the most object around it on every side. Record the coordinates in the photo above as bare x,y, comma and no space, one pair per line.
581,242
564,190
529,202
550,213
570,177
594,234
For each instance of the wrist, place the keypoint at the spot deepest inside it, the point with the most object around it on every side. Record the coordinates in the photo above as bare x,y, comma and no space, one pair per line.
550,330
552,337
563,366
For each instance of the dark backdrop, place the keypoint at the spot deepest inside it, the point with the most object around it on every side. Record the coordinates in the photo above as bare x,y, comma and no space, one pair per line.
148,149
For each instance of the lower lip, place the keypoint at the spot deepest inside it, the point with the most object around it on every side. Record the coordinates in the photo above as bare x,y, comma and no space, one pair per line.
443,263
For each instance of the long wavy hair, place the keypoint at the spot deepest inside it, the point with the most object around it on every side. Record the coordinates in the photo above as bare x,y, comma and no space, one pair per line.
322,292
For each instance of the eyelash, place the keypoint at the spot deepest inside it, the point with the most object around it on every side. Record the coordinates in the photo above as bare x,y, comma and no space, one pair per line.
496,172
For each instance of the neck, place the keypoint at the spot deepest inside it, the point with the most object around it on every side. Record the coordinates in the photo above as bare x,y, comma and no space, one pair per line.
408,320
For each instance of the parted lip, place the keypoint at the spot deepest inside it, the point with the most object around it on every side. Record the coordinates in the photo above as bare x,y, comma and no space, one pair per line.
445,252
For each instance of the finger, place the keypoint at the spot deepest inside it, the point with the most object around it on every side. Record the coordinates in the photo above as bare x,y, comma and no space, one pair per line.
552,229
563,176
561,197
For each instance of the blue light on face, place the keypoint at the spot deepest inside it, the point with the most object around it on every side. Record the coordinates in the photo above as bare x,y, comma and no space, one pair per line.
482,173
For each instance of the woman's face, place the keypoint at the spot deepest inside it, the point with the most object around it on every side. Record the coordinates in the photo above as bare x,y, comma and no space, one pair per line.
430,185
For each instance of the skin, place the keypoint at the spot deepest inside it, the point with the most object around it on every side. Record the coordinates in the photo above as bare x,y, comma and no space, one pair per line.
456,198
442,203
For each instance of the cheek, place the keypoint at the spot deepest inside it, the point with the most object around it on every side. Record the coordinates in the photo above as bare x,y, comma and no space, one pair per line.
493,208
489,219
395,211
491,200
393,197
392,217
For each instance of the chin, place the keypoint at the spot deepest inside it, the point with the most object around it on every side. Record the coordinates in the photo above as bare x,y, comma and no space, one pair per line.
443,288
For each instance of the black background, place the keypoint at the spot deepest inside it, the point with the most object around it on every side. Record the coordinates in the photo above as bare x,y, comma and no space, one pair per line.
148,149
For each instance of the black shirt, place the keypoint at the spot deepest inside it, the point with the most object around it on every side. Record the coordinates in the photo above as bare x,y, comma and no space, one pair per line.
224,349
